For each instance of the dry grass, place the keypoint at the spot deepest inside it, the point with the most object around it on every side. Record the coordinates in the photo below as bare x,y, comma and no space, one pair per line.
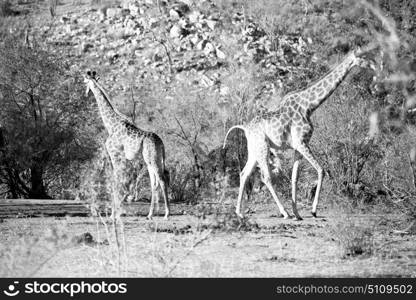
214,246
355,239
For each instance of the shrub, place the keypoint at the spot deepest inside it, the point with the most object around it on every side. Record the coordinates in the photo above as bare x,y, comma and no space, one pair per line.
182,187
355,239
6,9
44,119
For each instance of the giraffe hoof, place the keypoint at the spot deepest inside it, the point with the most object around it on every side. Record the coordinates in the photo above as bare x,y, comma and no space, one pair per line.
149,218
286,217
166,217
314,214
240,215
299,218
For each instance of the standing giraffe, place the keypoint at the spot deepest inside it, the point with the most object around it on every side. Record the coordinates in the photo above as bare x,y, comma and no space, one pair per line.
125,140
289,126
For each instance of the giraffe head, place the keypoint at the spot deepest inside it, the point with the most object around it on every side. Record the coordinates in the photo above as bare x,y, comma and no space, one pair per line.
363,59
90,80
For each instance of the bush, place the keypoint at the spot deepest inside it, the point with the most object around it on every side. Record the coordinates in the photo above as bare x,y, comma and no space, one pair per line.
6,9
354,239
182,187
44,120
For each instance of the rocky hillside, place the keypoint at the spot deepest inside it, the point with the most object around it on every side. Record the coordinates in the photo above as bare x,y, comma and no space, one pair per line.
171,42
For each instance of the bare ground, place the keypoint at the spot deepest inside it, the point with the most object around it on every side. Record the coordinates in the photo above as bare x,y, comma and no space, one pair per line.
207,243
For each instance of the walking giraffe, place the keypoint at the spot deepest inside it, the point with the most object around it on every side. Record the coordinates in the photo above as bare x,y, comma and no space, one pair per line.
126,141
289,126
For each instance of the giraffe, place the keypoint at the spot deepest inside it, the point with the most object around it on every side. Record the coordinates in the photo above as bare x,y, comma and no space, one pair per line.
289,126
126,141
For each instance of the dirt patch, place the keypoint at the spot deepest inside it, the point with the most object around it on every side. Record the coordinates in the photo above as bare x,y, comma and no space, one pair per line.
190,246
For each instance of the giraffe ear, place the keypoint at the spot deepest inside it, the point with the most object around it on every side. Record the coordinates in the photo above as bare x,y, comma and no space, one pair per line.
94,73
89,73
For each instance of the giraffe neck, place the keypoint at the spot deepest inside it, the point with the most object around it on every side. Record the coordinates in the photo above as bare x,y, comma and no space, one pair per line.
317,93
109,114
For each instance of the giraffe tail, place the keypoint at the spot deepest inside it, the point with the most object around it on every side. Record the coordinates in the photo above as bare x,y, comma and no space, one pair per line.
228,132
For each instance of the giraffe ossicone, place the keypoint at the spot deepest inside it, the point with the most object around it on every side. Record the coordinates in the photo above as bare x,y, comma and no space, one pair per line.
127,141
289,126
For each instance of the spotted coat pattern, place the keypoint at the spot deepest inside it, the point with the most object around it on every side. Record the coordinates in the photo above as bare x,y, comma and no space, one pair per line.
127,141
289,126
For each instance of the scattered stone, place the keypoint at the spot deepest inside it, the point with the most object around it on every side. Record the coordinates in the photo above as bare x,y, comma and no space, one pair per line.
181,8
220,54
175,31
85,47
174,15
153,23
84,238
194,16
211,24
201,44
113,12
209,48
65,19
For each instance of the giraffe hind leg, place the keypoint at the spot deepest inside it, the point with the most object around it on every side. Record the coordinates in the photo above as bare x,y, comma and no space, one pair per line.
153,157
303,149
244,175
263,161
163,184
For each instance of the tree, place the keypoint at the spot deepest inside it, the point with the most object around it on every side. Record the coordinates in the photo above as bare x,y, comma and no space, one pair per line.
42,117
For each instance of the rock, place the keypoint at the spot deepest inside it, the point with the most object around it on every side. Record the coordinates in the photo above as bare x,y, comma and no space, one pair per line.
102,14
153,22
188,2
175,31
206,81
194,39
85,47
219,53
194,16
64,19
174,15
181,8
209,48
126,3
134,10
130,25
224,90
201,44
114,12
125,12
157,56
85,238
211,24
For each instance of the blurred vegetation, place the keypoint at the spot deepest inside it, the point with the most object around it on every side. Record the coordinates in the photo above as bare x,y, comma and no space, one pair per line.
44,123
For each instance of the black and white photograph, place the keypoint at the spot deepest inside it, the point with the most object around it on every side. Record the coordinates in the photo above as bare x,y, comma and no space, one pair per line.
207,139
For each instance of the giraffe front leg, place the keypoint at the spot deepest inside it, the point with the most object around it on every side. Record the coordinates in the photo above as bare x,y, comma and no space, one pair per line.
116,157
294,188
164,186
153,191
306,152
